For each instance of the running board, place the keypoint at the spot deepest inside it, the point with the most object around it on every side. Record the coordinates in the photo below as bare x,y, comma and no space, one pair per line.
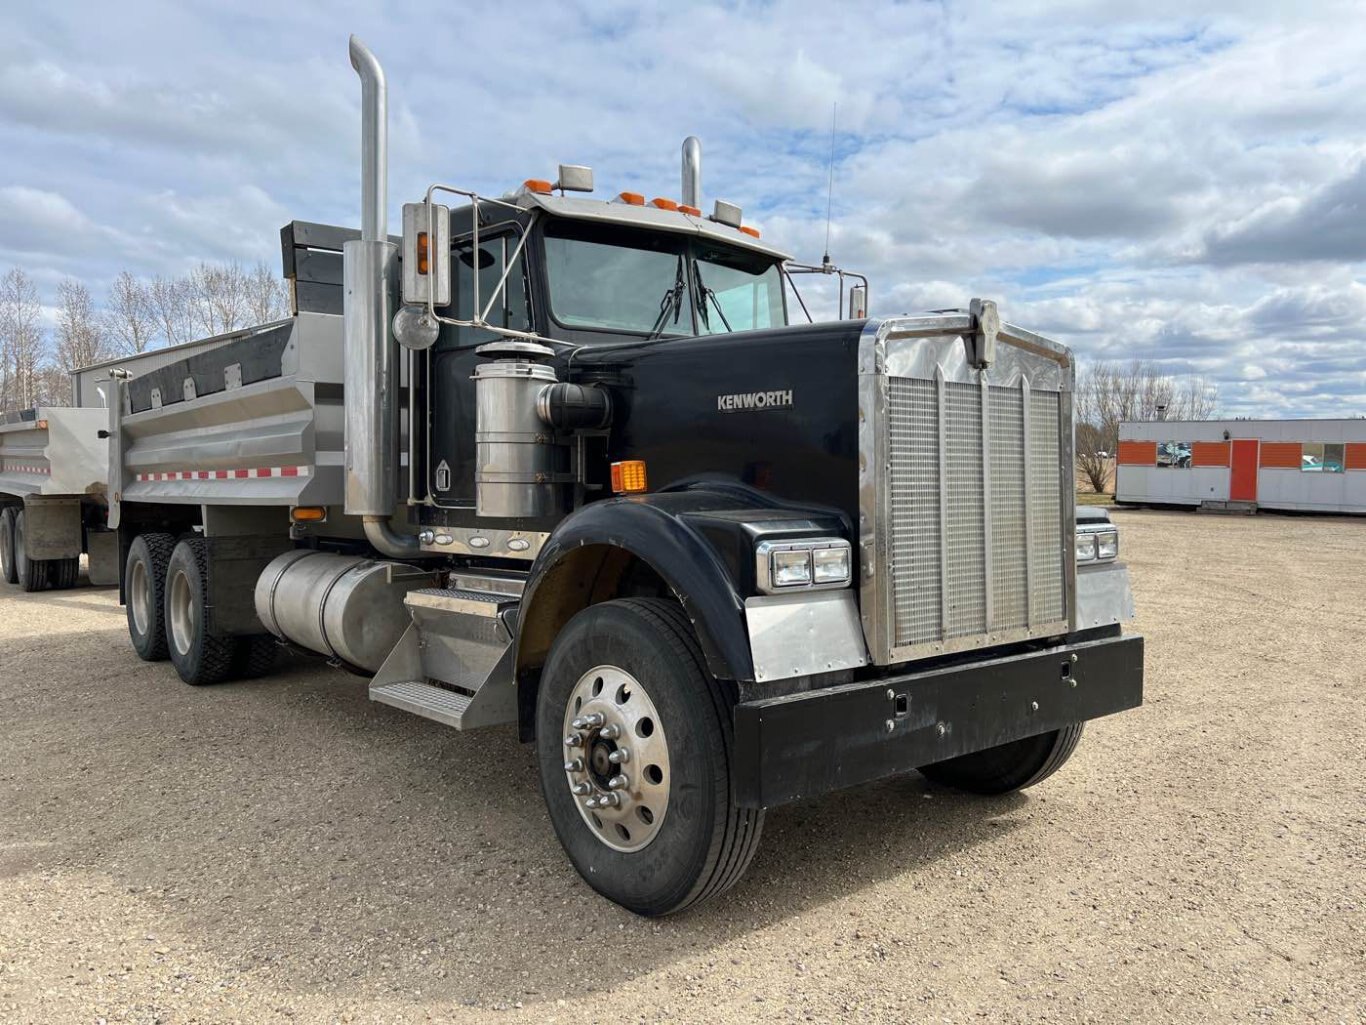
454,662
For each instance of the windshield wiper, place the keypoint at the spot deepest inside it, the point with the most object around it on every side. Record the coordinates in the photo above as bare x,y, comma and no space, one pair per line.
672,302
703,294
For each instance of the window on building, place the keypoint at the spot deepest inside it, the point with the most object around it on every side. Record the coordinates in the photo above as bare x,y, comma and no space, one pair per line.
1322,457
1173,455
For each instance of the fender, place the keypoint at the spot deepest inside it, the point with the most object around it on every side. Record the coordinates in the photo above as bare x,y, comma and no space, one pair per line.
653,529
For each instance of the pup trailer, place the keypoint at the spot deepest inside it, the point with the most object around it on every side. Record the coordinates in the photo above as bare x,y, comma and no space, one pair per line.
562,463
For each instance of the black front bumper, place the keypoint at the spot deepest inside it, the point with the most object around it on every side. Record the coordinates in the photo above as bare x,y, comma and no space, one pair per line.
805,744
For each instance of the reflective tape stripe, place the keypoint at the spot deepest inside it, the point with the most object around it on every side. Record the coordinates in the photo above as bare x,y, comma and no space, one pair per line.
247,474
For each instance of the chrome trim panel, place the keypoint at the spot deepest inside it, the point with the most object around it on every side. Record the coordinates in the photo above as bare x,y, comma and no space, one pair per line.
503,544
1103,595
1022,408
803,634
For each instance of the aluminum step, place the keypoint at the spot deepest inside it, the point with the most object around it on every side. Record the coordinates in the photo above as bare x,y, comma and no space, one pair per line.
460,601
424,699
496,581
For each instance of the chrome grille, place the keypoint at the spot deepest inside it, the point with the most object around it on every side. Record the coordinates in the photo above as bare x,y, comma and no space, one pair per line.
975,541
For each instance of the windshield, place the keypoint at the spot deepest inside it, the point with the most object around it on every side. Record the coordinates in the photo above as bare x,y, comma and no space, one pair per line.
622,280
737,291
640,282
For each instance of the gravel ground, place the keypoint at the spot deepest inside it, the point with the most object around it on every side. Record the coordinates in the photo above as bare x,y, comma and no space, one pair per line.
285,851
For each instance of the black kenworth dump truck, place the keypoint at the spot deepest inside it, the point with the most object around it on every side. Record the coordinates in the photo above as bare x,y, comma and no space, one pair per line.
563,463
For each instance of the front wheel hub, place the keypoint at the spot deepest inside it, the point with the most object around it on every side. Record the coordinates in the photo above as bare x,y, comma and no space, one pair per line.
620,783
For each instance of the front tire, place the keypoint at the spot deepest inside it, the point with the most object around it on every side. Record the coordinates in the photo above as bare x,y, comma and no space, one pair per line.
7,569
199,656
1009,767
668,834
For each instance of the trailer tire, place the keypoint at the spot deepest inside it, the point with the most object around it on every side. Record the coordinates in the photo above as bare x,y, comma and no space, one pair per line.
1009,767
7,568
31,573
144,584
700,843
254,656
199,656
62,574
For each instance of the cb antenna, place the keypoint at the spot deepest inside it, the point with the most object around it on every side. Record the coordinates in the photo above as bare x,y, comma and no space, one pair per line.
830,188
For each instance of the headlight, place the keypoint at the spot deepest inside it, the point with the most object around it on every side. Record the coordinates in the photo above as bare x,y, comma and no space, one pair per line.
831,564
791,568
1107,544
1086,547
818,563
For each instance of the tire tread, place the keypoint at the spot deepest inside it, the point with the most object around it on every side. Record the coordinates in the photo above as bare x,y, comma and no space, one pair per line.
742,827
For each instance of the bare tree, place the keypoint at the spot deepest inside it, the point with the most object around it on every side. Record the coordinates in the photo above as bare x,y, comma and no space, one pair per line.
128,315
170,302
267,297
21,341
80,339
218,297
1110,393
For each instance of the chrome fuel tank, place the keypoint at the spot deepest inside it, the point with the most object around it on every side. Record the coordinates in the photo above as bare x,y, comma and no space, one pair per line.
343,606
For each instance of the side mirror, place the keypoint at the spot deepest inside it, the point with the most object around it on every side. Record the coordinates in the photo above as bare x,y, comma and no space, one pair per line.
858,302
426,254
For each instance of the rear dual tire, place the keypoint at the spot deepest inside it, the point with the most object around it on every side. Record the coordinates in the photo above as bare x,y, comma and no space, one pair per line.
166,591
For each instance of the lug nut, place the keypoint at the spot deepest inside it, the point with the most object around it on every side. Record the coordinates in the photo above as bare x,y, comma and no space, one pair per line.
579,789
620,756
592,719
575,766
574,740
591,803
609,800
611,732
618,783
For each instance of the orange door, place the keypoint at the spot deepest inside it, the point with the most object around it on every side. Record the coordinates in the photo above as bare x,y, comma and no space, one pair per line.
1242,484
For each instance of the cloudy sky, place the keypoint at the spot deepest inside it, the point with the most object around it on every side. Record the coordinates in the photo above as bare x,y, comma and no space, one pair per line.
1186,184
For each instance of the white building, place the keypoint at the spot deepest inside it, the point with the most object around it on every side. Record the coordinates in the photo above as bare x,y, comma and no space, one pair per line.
1312,465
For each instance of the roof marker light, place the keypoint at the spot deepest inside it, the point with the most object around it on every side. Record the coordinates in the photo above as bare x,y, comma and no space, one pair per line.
664,204
691,210
750,231
631,198
539,185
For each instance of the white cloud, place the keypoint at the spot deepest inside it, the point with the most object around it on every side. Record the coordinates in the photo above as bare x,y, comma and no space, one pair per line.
1183,184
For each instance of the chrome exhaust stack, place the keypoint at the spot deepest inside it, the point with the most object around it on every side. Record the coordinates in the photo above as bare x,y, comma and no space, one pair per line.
370,292
692,172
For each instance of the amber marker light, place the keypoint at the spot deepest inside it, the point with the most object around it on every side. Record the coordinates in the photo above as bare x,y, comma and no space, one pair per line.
423,247
684,209
539,185
631,198
664,204
749,231
308,514
628,477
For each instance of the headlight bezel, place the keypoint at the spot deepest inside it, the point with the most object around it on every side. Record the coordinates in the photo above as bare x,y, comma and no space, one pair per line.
1095,544
768,553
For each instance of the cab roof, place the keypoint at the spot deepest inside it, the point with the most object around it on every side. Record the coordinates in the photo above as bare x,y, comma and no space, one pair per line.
659,219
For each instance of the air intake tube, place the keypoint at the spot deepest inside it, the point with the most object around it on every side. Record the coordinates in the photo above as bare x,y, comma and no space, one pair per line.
370,277
574,407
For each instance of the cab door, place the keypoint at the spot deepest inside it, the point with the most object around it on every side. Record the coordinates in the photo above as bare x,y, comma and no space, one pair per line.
451,361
